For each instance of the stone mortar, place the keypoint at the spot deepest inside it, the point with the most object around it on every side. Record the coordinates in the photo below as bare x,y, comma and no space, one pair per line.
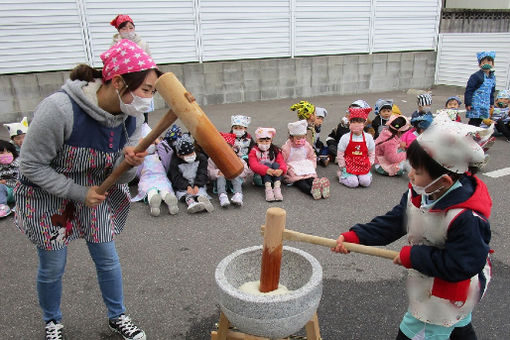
275,316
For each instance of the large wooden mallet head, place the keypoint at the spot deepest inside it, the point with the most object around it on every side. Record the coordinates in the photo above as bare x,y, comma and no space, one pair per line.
183,104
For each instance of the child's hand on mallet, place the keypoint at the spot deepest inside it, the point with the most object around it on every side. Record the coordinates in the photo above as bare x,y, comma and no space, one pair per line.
340,248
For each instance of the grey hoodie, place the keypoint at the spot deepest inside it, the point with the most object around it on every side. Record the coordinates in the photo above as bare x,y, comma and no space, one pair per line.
51,127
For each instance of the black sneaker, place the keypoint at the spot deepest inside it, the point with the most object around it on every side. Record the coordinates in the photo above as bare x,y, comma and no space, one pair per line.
54,330
125,327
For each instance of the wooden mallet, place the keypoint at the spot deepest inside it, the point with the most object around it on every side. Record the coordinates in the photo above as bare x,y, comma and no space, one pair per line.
185,108
291,235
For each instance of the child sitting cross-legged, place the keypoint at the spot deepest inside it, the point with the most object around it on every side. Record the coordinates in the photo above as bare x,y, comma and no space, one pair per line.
302,163
390,158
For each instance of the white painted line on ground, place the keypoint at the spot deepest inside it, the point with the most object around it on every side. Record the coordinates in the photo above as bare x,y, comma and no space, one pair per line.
498,173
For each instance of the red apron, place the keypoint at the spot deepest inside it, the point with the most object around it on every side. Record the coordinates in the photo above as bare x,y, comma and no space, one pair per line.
356,157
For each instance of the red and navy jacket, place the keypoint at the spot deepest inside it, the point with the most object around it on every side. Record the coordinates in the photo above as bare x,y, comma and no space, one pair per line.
468,236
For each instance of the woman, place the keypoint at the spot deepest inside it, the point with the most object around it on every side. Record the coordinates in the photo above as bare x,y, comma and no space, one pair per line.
78,135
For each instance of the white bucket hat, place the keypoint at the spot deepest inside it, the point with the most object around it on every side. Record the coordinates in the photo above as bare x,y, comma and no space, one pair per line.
453,145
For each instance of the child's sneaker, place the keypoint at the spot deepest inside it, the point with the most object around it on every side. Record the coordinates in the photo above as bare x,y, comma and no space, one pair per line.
237,199
269,194
206,202
171,201
325,187
316,189
54,330
278,193
125,327
154,199
4,210
195,207
224,202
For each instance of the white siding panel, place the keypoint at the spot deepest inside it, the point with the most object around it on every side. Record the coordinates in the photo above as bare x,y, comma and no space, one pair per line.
40,36
332,27
233,29
167,26
405,25
456,59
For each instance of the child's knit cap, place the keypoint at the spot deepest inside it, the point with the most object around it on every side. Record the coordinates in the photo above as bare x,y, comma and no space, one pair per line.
453,98
485,54
424,99
304,109
184,145
16,129
452,144
240,120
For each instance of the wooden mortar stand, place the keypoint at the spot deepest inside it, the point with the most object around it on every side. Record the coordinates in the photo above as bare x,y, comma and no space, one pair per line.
272,251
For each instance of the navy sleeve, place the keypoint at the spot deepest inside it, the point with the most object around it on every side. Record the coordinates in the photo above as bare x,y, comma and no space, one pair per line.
465,252
384,229
201,177
473,83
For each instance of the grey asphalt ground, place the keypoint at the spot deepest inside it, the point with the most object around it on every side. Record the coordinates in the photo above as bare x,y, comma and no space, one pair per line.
168,262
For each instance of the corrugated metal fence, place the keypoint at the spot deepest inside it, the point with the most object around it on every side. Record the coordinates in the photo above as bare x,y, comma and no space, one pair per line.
56,35
456,57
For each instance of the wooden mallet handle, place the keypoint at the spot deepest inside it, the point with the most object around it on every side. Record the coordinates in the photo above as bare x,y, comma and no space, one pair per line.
291,235
164,123
272,252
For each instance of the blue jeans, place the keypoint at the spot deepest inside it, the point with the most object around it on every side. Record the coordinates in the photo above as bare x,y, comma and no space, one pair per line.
109,275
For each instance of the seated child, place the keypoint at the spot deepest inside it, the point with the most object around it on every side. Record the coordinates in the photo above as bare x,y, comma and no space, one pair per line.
321,150
8,175
302,162
419,124
188,174
389,158
17,131
243,142
221,182
383,111
499,115
452,106
424,102
445,218
356,151
266,160
306,110
342,129
153,181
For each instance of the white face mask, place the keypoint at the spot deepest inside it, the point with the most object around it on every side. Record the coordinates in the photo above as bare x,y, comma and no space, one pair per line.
238,133
128,35
423,190
263,147
138,106
190,159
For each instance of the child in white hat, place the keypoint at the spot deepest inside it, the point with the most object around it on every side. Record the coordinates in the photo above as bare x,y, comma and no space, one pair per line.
302,163
444,216
320,148
244,141
17,131
266,160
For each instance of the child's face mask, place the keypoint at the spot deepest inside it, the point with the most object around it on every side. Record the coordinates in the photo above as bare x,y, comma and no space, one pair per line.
190,158
238,132
6,158
299,142
356,128
423,190
263,147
